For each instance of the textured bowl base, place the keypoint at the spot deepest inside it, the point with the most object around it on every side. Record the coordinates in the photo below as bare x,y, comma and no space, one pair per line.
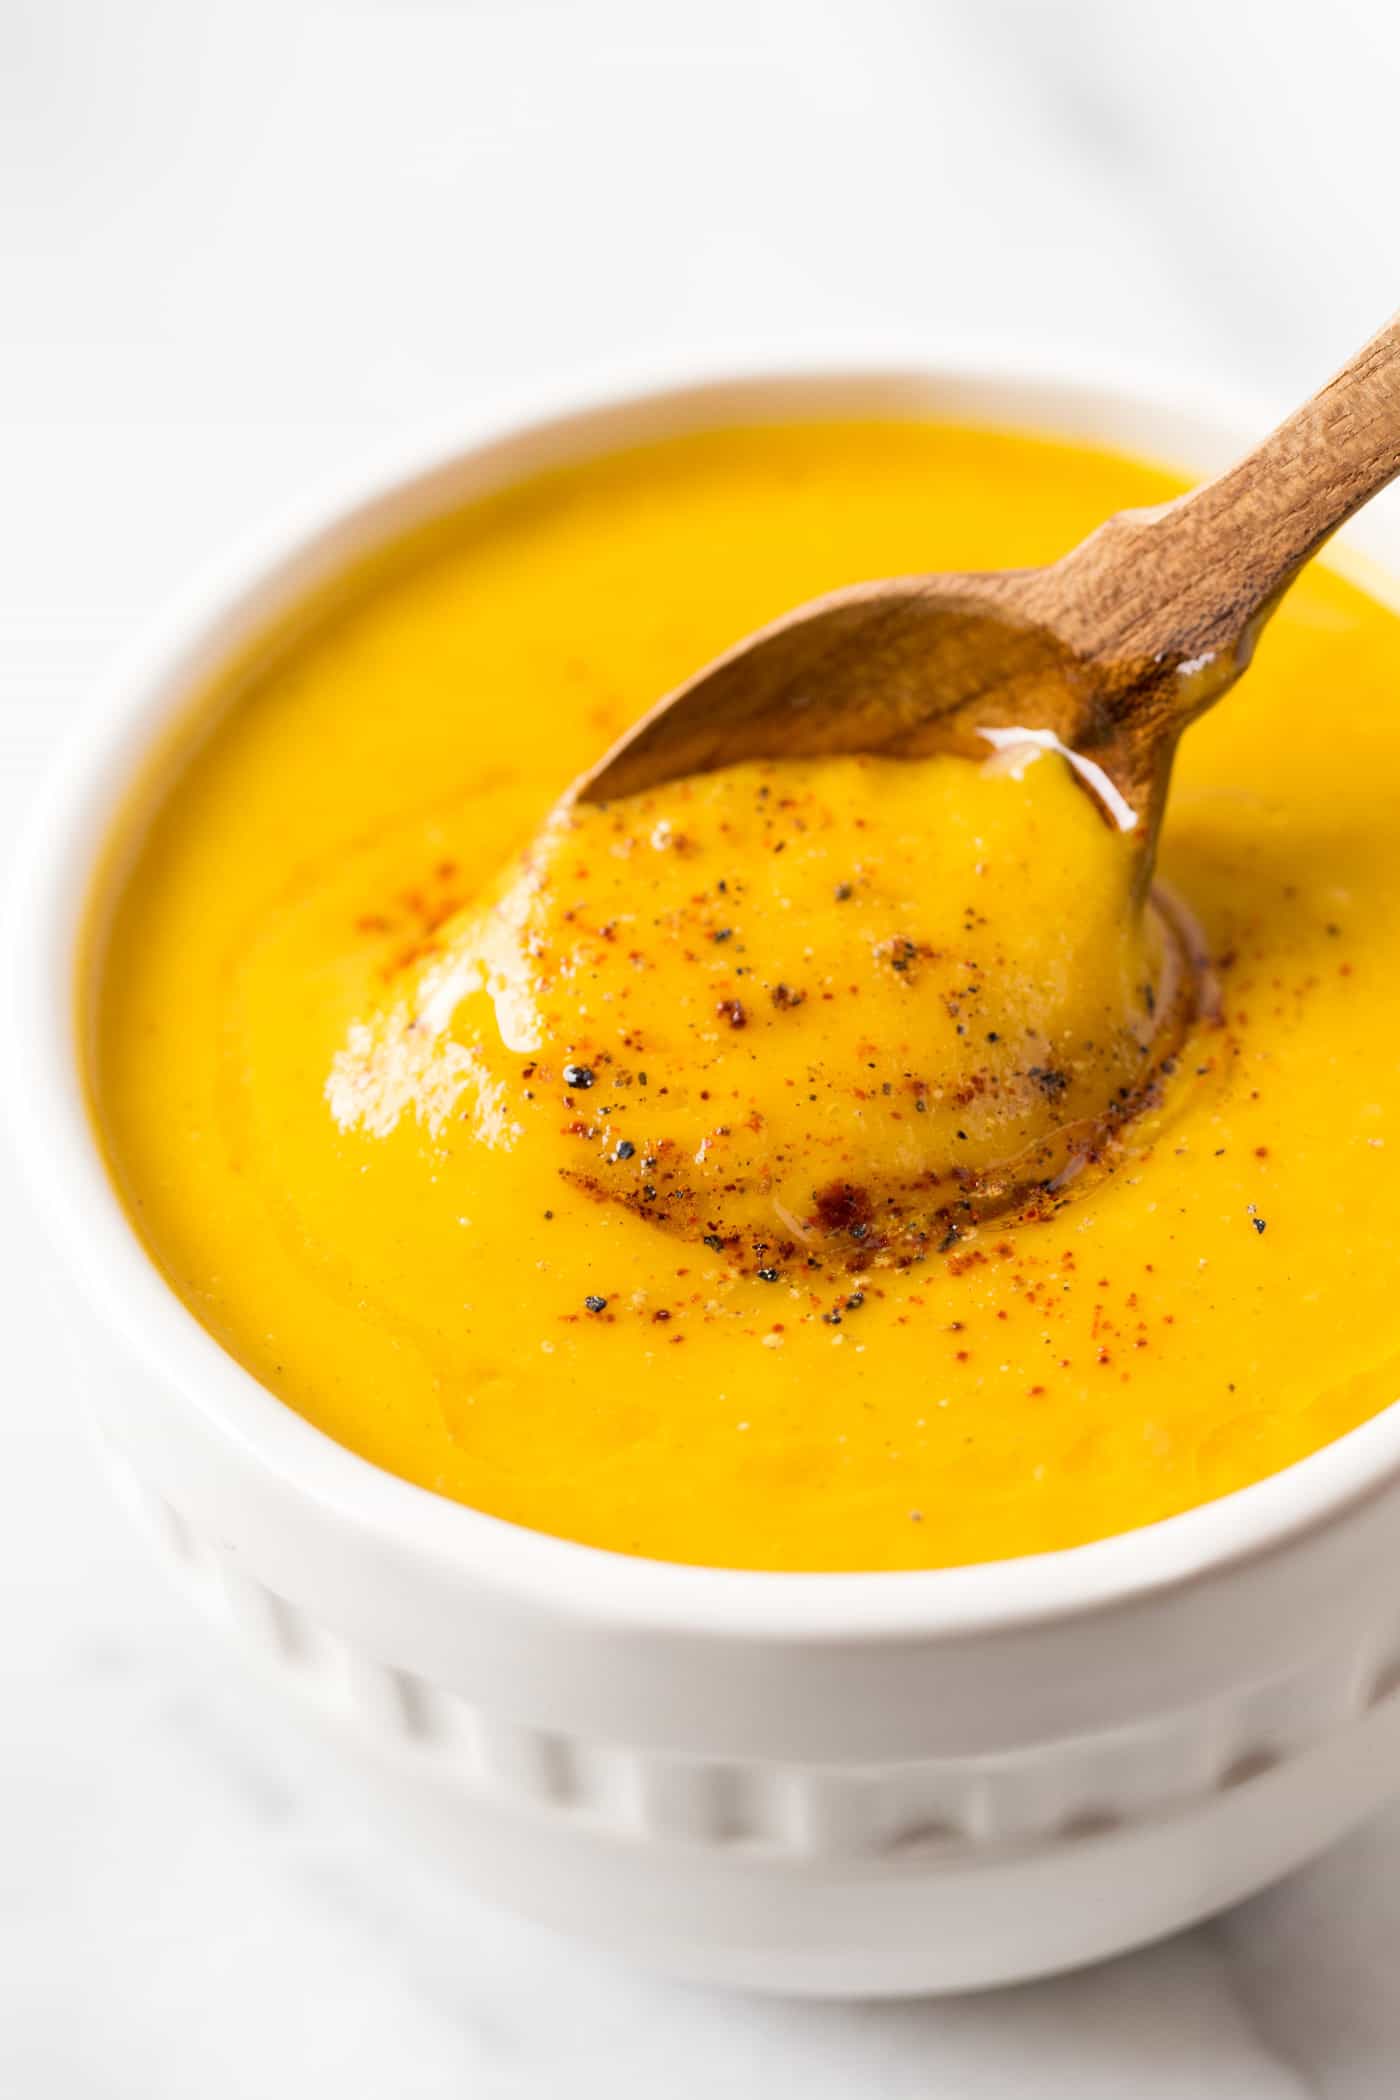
909,1928
739,1907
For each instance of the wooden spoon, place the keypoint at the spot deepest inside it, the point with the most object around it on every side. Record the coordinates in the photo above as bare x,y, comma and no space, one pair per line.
1107,654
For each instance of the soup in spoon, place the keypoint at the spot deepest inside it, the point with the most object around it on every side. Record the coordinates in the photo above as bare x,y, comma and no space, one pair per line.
816,1016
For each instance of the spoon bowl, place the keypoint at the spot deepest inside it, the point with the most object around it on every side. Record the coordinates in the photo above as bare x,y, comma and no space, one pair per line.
1107,654
901,669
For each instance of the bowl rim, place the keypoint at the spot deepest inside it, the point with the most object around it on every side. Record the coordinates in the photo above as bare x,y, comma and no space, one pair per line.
57,866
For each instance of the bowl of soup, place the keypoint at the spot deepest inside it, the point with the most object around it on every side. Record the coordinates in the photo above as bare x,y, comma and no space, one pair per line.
801,1379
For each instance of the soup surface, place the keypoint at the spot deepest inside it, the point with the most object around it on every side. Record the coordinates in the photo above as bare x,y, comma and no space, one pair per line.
794,1168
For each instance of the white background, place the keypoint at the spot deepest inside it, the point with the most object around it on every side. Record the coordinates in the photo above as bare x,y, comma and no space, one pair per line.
243,247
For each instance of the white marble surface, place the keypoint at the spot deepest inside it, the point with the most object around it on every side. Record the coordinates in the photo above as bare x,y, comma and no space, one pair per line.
241,246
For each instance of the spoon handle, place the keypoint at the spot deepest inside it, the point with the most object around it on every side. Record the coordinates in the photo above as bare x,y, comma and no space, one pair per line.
1192,584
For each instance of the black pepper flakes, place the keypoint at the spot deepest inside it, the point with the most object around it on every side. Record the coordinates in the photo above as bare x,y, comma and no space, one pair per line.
595,1304
626,1150
579,1076
768,1276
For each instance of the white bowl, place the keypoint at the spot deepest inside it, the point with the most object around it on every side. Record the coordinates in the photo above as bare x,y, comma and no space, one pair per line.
825,1783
